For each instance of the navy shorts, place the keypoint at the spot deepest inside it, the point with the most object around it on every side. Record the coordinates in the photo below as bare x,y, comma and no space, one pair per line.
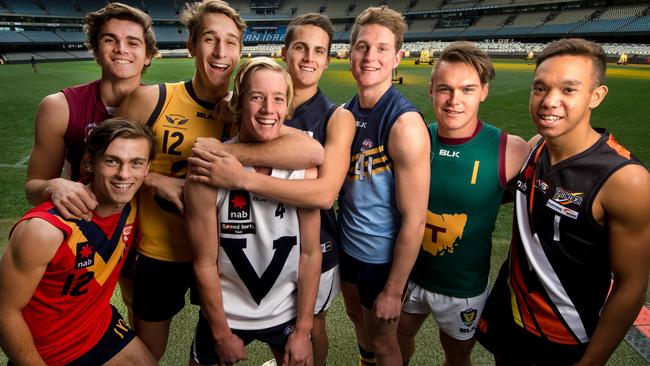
204,351
370,278
159,288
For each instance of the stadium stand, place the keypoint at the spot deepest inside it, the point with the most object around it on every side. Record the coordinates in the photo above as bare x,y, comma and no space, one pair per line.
517,26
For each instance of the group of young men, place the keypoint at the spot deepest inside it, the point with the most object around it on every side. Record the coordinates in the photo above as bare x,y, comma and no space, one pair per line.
238,225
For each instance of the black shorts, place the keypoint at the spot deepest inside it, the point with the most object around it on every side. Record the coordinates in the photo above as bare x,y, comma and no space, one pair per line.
159,288
203,348
370,278
129,264
502,337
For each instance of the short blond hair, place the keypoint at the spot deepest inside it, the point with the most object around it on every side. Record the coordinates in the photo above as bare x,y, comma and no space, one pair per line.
384,16
194,12
244,74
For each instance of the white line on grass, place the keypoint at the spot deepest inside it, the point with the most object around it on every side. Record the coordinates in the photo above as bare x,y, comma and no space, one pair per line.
19,165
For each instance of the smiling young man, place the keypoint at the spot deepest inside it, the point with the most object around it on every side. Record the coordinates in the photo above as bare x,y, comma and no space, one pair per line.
123,43
57,275
450,277
179,114
257,261
581,214
383,200
306,53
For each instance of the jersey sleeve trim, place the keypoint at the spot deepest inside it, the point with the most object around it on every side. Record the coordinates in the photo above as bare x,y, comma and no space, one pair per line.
162,95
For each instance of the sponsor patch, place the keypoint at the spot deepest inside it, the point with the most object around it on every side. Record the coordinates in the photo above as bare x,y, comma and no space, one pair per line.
239,205
238,228
126,233
326,246
367,144
85,255
565,197
563,210
176,119
541,185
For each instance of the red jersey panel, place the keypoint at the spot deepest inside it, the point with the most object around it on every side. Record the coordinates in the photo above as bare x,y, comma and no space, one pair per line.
70,309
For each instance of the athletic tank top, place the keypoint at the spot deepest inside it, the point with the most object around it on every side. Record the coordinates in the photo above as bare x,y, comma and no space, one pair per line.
312,116
369,220
178,119
559,268
86,110
464,198
258,257
70,311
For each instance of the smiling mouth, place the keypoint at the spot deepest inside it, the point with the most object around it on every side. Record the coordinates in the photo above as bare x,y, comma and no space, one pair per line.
307,68
122,61
368,68
266,121
219,66
549,117
449,111
122,186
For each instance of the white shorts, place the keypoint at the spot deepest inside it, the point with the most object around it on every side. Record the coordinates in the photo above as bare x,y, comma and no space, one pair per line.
328,288
456,316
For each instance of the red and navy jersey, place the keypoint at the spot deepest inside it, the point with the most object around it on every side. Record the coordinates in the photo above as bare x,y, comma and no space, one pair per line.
313,116
70,311
559,273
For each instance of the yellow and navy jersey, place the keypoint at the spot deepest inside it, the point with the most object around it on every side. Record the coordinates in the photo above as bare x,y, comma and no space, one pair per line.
70,309
178,119
369,220
558,274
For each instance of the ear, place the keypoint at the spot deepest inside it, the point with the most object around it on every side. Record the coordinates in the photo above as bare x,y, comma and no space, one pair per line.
484,91
597,96
190,46
398,58
87,164
430,89
283,53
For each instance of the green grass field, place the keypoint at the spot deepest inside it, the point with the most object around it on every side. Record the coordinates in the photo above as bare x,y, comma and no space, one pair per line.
625,112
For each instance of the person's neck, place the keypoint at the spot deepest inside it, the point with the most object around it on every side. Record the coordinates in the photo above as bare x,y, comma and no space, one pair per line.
105,207
368,97
300,96
571,144
208,93
468,131
113,91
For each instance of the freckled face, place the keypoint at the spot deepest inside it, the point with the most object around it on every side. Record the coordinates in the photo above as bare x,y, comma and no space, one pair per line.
264,106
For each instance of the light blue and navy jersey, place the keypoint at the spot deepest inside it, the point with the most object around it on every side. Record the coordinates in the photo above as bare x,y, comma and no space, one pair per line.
312,116
369,220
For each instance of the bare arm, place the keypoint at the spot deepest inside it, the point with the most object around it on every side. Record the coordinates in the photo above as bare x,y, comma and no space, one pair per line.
31,246
517,150
202,229
46,161
626,217
410,147
298,349
312,193
292,150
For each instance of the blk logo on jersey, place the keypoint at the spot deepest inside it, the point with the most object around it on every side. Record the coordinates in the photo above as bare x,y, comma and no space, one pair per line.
85,255
449,154
239,205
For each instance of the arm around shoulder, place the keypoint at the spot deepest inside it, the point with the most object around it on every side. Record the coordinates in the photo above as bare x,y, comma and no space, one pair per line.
140,104
517,150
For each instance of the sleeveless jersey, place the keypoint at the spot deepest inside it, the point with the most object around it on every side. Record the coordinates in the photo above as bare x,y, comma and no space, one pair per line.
70,311
454,258
559,273
312,116
178,119
259,250
369,220
86,110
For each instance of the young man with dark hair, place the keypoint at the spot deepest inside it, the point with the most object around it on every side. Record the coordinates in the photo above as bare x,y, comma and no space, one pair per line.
123,43
57,275
383,200
474,161
306,53
581,214
179,114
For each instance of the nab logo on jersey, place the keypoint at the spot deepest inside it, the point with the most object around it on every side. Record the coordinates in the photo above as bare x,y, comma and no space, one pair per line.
85,255
239,206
